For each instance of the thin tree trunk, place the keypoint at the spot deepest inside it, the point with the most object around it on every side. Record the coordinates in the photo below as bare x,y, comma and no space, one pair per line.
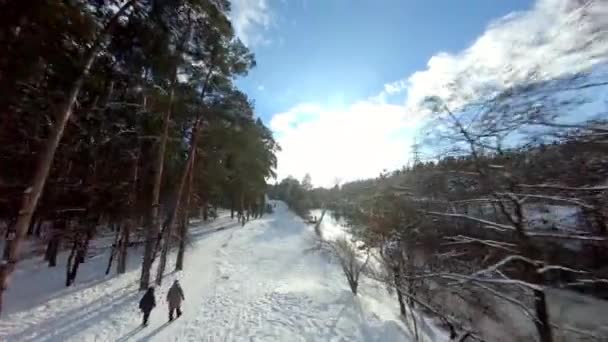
416,334
182,183
542,323
121,268
397,276
68,267
52,248
38,228
113,251
262,205
183,229
31,195
153,230
180,190
31,228
241,208
162,263
179,262
79,257
85,248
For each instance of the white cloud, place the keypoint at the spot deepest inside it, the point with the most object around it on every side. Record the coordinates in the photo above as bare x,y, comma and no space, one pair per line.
395,87
251,18
358,141
553,38
350,143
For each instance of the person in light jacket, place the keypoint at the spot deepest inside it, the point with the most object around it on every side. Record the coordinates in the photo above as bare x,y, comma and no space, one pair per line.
175,296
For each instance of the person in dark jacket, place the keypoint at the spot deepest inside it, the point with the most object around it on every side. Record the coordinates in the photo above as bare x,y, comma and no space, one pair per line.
147,303
175,297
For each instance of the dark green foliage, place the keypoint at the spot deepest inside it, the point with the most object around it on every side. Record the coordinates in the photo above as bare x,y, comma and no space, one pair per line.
291,191
157,48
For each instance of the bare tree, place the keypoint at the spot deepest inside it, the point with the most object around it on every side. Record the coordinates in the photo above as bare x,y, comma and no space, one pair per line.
525,264
348,256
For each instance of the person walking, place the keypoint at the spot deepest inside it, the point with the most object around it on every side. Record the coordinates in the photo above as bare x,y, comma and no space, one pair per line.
147,303
175,296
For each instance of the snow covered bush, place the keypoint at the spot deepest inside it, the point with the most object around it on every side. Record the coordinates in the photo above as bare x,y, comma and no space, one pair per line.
352,266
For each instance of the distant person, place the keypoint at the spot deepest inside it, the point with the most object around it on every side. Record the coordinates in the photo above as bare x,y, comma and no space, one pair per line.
175,297
147,303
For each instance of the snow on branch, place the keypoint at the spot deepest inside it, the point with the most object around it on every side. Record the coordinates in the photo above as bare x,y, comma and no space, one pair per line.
507,260
461,239
588,282
486,223
461,279
475,200
566,236
548,268
510,299
563,187
550,198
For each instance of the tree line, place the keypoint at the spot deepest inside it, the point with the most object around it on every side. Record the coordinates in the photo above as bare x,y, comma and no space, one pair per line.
123,116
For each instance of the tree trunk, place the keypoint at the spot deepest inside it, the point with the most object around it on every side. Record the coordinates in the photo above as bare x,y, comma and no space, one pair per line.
179,262
38,228
68,268
153,229
85,249
353,285
180,191
121,266
31,195
542,323
52,250
183,227
54,242
79,257
416,334
113,251
182,182
262,205
205,208
242,208
397,276
162,263
31,228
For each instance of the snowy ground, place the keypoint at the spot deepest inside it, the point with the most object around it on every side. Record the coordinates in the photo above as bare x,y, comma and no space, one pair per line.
252,283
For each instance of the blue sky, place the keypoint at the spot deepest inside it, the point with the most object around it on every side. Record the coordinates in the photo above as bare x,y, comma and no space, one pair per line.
339,81
334,51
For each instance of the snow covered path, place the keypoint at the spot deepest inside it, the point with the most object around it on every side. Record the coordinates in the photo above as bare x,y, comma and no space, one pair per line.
251,283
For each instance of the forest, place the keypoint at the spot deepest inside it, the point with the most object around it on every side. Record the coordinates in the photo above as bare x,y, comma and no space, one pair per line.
123,118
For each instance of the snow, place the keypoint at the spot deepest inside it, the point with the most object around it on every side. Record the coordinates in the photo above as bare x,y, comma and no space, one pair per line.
259,282
334,229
